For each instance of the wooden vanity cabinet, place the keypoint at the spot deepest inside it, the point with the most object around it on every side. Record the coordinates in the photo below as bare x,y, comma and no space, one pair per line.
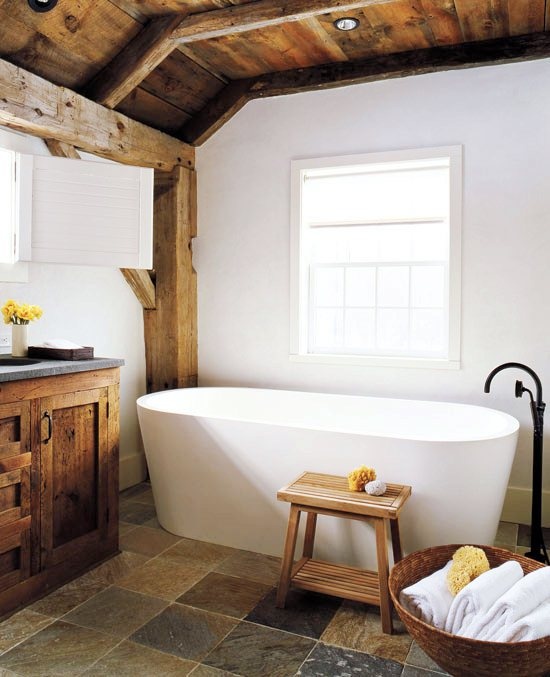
58,480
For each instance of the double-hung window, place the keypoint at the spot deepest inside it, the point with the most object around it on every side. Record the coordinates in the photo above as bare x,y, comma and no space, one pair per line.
376,258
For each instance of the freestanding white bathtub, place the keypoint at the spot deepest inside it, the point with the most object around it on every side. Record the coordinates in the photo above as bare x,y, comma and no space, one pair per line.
217,457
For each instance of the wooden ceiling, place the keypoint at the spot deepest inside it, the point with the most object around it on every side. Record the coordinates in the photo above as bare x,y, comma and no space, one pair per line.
185,66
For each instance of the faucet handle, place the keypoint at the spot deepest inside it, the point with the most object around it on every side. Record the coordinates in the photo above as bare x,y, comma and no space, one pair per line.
519,389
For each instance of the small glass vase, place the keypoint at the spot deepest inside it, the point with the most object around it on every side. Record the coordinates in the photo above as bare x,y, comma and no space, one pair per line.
19,340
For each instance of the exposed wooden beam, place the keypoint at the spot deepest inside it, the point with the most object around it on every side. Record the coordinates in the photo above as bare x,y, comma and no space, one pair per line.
33,105
142,286
134,63
417,62
171,329
60,149
217,112
256,15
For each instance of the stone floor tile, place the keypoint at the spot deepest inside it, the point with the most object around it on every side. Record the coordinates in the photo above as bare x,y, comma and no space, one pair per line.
129,659
524,535
184,632
357,626
198,553
507,533
226,595
305,613
419,659
162,577
132,492
136,513
411,671
116,611
144,497
256,651
207,671
153,524
125,528
118,567
334,661
251,565
69,596
20,626
59,649
147,541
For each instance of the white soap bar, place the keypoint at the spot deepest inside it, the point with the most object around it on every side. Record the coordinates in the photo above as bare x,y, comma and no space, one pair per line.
375,488
60,343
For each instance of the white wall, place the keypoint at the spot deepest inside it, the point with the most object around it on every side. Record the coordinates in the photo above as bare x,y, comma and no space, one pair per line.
500,116
92,306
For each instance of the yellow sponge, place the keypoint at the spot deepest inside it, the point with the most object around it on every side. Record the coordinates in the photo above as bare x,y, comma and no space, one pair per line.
359,477
468,563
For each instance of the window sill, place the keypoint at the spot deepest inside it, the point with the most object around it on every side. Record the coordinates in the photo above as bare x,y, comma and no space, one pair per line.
367,361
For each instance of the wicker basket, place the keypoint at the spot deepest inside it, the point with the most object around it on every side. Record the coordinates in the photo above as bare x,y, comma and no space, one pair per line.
460,656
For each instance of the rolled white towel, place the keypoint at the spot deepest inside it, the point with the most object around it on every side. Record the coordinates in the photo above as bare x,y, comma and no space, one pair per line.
520,600
429,598
479,595
533,626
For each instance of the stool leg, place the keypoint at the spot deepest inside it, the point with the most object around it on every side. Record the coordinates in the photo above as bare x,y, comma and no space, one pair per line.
382,556
309,537
288,555
395,541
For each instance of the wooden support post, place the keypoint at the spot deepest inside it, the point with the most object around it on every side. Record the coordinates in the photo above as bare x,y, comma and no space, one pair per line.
171,327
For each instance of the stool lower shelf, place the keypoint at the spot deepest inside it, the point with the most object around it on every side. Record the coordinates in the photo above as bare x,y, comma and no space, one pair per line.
337,579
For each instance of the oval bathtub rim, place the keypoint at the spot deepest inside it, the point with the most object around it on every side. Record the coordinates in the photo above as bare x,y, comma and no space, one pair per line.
146,402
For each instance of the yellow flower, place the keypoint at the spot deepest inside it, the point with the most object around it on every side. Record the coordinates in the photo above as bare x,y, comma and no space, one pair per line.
16,313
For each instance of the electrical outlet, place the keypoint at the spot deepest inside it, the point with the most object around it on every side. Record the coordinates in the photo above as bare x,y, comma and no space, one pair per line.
5,341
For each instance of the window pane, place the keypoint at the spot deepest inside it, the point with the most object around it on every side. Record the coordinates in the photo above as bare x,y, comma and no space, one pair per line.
328,245
369,193
360,329
428,330
361,287
393,286
327,328
392,329
328,287
430,242
427,286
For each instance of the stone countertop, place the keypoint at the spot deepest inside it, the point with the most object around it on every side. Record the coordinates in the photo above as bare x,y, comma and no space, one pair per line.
55,367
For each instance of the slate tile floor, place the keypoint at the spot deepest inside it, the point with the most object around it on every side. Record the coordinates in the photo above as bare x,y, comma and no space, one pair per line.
173,606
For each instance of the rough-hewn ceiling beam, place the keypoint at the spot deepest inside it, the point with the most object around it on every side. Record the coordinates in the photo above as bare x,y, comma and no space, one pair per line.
402,64
217,112
131,66
31,104
142,286
261,14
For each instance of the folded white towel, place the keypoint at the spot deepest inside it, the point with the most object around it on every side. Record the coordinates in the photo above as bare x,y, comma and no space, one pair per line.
533,626
479,595
60,343
429,599
519,601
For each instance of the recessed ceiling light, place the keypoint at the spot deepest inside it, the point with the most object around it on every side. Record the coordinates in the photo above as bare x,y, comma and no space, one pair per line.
346,23
42,5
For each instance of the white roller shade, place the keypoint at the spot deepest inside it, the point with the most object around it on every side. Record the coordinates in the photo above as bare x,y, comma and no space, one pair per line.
91,213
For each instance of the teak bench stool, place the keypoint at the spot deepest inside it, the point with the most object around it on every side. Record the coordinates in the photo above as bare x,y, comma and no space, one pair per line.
319,494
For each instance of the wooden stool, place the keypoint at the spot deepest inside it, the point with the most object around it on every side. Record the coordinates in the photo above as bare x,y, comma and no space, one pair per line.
319,494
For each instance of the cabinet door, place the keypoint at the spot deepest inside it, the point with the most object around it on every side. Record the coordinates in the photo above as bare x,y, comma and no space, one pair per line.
15,493
74,475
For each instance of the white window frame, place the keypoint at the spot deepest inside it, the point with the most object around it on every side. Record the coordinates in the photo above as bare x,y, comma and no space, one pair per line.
299,275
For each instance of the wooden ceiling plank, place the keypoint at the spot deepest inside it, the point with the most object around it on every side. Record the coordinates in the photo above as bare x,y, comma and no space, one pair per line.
217,112
415,62
33,105
195,58
258,15
134,63
526,16
483,19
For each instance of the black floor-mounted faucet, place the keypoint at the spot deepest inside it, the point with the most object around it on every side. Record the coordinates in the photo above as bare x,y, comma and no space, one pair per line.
538,549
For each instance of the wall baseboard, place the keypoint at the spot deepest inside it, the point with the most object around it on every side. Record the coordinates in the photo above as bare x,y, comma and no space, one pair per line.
132,469
517,506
